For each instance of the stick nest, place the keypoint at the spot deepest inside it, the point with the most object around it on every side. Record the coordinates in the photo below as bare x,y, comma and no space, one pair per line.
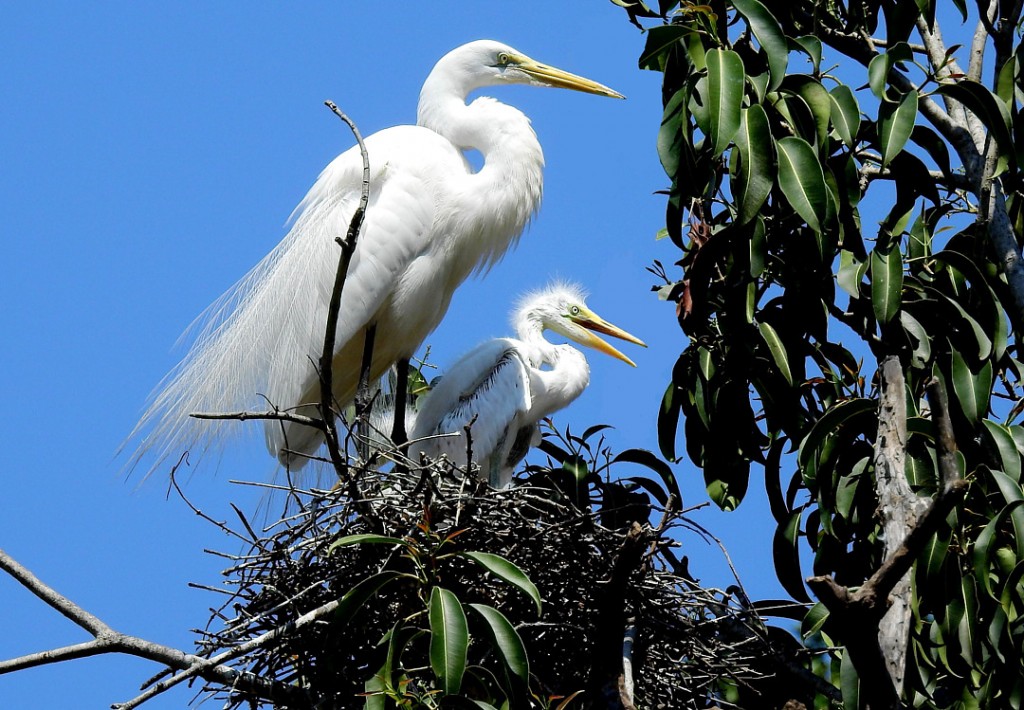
603,573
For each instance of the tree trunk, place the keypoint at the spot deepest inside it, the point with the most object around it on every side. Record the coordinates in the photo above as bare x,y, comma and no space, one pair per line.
899,508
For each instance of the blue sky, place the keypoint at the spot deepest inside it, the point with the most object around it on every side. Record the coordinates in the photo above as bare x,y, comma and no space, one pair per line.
151,154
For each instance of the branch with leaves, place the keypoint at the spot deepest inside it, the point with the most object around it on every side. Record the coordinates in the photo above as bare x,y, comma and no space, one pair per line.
849,231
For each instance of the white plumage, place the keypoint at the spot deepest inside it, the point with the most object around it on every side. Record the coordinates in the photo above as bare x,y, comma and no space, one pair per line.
503,387
431,221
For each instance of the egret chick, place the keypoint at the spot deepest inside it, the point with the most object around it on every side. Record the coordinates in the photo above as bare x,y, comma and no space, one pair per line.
503,387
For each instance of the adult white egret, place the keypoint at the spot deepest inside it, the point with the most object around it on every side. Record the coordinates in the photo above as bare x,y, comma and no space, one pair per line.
503,387
431,221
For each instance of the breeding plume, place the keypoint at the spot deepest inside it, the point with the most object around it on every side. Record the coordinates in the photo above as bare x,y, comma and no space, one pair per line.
503,387
431,221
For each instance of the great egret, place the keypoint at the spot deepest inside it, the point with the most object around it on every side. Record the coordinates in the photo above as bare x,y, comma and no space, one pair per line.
503,387
432,220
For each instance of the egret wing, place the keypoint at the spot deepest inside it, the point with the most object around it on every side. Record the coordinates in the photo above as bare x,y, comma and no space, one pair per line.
488,389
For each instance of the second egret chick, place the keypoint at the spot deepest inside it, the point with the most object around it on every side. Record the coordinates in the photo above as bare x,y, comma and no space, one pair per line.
503,387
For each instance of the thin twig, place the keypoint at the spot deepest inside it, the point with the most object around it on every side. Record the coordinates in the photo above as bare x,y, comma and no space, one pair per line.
348,246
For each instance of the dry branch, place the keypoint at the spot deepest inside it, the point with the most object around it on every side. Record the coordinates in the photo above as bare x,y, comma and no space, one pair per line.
348,246
107,640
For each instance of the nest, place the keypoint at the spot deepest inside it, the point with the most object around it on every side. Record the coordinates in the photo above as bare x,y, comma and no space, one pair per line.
622,621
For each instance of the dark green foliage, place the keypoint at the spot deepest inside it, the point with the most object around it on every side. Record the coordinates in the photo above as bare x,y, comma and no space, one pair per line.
786,138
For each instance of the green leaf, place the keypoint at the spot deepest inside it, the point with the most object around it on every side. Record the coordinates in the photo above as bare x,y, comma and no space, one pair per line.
1005,80
972,391
983,296
758,248
777,349
507,571
358,595
785,547
985,546
668,421
880,67
647,458
724,97
577,467
849,683
660,40
922,352
755,176
851,273
383,681
670,133
374,690
878,73
989,109
846,490
967,630
919,243
366,539
932,558
815,618
818,102
845,114
980,336
506,640
895,124
886,284
449,639
811,46
802,180
1012,494
1002,442
769,35
834,418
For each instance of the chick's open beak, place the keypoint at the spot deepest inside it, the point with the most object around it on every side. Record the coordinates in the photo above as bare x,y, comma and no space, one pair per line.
593,322
550,76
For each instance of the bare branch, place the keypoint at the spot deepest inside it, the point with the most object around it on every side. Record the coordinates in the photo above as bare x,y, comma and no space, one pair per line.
52,597
202,666
955,181
107,640
274,415
945,442
348,246
978,42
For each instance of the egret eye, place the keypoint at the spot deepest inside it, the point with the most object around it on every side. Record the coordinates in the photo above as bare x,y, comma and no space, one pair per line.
503,59
575,310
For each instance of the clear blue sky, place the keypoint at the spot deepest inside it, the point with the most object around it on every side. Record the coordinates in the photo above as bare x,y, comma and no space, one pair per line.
150,156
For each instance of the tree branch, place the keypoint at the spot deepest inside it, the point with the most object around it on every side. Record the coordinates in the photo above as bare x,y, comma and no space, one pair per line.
107,640
966,136
348,246
859,613
954,181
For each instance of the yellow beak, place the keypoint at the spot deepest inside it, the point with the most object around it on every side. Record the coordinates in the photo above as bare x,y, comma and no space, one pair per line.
593,322
550,76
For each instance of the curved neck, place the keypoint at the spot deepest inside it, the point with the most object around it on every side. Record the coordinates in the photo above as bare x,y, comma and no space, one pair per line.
500,132
530,329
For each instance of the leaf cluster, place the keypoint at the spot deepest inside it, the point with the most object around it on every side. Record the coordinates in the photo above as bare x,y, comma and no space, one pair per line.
776,163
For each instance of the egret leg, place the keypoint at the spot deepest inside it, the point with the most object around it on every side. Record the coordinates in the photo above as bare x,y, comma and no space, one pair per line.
363,399
399,436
